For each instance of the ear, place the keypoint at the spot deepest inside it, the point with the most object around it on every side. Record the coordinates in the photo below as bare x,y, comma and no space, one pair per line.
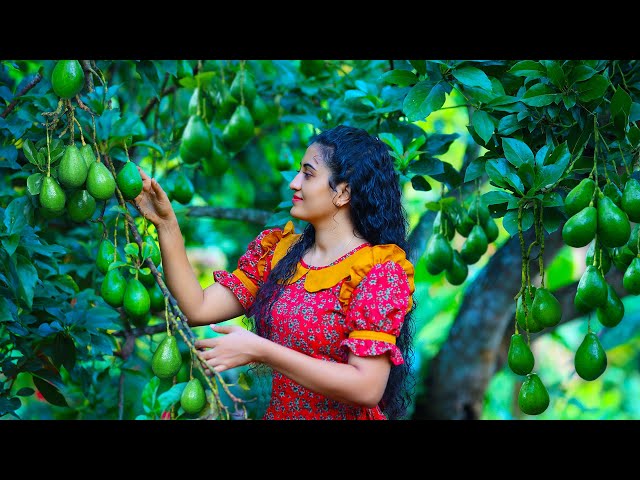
344,193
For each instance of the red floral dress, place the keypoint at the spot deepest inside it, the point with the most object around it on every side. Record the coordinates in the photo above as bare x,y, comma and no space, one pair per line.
357,303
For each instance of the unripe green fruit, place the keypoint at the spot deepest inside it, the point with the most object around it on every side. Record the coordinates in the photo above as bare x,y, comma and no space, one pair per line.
72,171
67,78
193,398
52,196
129,181
166,360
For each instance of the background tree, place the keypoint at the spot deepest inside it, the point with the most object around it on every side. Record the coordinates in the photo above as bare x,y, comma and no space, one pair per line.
495,158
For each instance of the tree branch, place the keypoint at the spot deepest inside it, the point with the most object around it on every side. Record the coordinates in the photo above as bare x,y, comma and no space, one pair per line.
154,100
251,215
34,81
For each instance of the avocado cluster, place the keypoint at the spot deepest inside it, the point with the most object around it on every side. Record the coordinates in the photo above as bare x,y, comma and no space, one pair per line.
81,181
139,296
475,224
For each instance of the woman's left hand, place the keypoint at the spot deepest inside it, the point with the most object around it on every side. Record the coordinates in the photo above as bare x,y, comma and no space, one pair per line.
235,348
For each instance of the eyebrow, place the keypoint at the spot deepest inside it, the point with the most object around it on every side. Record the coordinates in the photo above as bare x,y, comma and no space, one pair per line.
308,165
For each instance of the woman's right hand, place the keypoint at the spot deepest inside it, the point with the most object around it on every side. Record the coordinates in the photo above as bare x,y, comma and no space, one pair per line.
152,202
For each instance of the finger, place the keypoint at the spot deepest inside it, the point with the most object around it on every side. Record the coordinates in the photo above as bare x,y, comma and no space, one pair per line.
204,343
220,368
222,328
143,174
160,193
146,184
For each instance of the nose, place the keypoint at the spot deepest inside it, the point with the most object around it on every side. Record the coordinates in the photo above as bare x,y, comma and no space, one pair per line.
296,183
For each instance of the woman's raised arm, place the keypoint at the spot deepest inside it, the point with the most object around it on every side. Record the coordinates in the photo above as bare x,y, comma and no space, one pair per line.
214,304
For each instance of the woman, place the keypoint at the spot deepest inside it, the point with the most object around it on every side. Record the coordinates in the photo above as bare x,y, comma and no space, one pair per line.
332,305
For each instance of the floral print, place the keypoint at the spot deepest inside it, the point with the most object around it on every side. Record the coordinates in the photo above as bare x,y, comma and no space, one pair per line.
356,304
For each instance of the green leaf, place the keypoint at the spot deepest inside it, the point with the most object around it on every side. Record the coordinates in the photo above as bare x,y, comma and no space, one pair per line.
620,110
517,152
540,95
117,264
552,199
439,143
41,159
423,99
550,174
149,402
581,73
354,94
9,405
475,169
569,100
147,250
420,183
132,249
414,145
26,277
17,214
528,68
510,221
149,144
483,124
593,88
555,73
6,310
171,396
508,124
118,209
472,77
102,344
496,197
34,182
551,219
50,393
451,177
29,151
560,154
419,65
501,100
426,166
391,140
10,243
244,381
526,174
496,170
633,135
621,103
515,182
64,351
25,392
402,78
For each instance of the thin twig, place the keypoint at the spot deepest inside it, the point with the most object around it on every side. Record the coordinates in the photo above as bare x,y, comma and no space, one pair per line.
26,88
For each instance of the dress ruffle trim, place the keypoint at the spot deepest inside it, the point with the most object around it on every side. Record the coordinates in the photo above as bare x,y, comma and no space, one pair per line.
353,268
377,254
366,348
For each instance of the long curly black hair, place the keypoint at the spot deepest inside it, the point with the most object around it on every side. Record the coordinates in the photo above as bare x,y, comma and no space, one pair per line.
363,161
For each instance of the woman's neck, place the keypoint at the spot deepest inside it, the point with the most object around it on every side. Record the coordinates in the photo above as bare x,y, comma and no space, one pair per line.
332,243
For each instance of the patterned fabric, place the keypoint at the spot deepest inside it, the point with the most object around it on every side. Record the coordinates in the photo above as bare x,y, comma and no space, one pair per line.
356,304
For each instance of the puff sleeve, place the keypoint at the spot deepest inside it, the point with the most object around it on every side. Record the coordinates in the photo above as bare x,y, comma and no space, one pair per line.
253,267
377,310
